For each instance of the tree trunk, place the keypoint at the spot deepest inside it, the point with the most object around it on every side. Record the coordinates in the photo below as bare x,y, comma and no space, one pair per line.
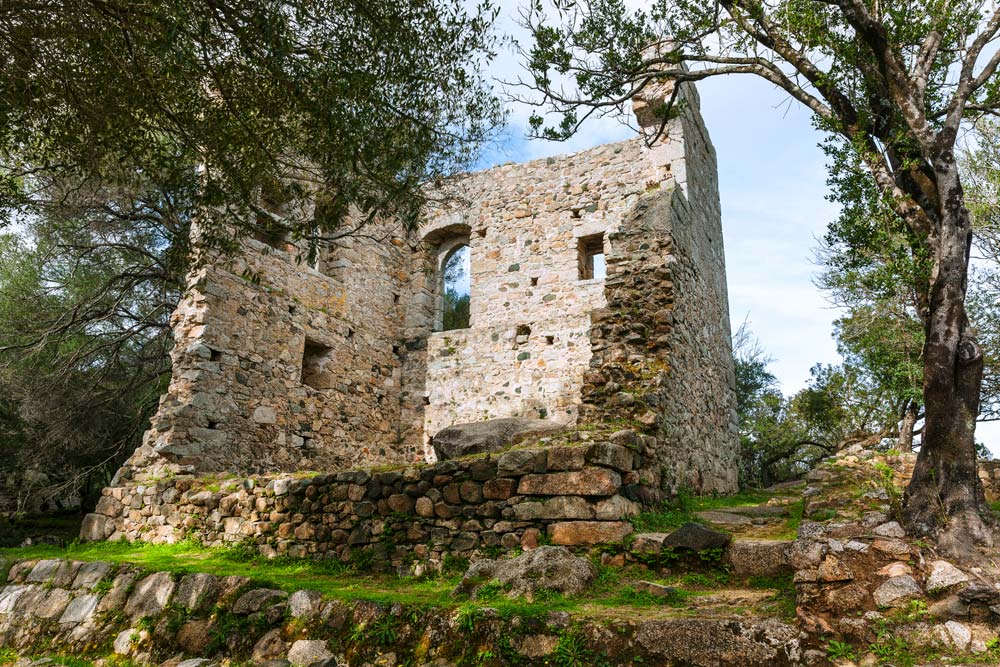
945,497
906,427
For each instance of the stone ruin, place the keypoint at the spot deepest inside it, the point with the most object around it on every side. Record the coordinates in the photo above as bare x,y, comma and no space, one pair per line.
597,302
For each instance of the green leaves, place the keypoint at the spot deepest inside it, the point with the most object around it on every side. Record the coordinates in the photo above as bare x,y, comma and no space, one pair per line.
364,102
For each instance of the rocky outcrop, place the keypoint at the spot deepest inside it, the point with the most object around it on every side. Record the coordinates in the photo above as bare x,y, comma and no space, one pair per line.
234,622
545,568
491,435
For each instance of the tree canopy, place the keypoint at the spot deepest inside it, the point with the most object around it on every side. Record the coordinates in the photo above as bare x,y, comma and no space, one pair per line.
316,107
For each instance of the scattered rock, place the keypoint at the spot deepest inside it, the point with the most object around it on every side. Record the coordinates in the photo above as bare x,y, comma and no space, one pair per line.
895,548
659,590
954,634
195,636
696,537
890,529
490,435
547,567
950,606
708,641
848,598
897,591
150,596
758,558
90,574
944,575
80,609
305,652
979,592
125,641
196,591
895,569
831,570
726,519
257,599
536,646
648,543
304,604
269,647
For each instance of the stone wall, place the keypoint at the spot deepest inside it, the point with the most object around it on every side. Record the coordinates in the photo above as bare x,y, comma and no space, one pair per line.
282,367
528,344
575,491
113,613
278,366
662,347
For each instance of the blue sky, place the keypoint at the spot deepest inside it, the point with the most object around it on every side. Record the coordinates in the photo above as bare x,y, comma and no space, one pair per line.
772,181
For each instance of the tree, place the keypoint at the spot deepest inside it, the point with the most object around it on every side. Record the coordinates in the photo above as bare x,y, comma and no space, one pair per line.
894,84
323,107
124,121
782,438
85,305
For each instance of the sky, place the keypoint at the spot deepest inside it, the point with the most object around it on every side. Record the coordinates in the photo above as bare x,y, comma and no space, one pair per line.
772,184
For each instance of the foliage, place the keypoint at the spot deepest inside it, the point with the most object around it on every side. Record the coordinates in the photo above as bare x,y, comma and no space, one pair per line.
682,507
572,651
783,437
123,121
84,341
252,108
981,170
838,650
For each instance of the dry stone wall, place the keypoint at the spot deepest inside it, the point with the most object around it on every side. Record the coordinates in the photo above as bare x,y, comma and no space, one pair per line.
580,491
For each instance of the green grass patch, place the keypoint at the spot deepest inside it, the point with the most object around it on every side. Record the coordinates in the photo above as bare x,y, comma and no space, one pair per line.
332,578
682,508
335,580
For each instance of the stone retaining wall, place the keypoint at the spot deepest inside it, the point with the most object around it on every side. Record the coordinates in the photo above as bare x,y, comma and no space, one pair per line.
577,493
100,610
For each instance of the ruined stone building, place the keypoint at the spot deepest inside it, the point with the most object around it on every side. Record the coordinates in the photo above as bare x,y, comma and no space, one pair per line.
596,294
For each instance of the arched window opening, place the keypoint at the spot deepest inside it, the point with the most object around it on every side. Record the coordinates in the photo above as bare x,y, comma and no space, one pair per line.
455,288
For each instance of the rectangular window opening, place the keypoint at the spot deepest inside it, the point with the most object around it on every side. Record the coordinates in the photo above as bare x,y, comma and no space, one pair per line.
591,257
316,366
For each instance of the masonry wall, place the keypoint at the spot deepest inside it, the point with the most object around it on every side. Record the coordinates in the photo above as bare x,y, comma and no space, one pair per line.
662,347
280,367
574,490
528,344
240,395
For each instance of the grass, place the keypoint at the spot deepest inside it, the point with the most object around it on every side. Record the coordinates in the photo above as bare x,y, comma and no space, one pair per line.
332,578
9,656
683,508
612,593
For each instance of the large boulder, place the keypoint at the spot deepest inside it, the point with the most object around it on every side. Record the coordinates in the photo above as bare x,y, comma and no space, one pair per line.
695,537
491,435
547,567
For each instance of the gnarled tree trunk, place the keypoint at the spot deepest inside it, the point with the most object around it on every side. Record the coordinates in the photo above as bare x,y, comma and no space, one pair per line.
945,497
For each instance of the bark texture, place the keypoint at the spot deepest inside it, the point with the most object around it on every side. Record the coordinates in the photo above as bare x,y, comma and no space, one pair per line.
945,497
